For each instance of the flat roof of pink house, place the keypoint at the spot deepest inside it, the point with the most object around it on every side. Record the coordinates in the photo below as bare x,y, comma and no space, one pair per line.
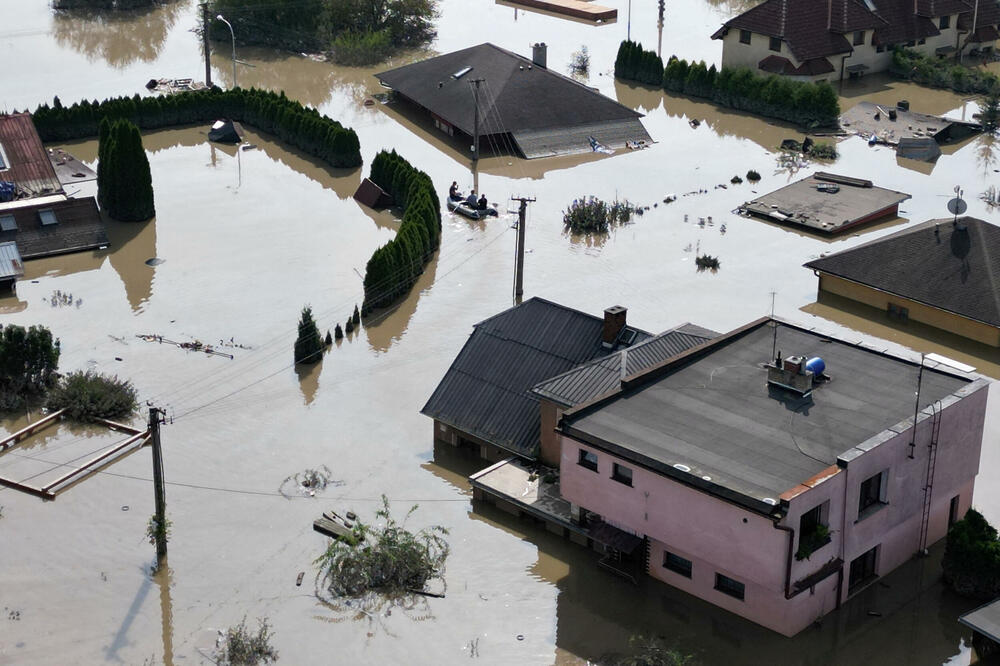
709,418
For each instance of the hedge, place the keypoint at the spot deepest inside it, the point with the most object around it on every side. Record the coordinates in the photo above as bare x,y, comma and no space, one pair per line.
801,102
395,267
971,560
301,126
940,73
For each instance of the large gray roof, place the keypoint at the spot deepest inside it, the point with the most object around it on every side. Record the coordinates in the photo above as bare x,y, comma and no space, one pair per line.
487,390
594,379
515,95
934,263
711,411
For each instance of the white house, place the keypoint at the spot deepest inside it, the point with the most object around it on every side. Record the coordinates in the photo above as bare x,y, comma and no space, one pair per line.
829,41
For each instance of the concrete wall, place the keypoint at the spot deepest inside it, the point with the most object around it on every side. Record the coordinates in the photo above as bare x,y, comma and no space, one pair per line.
722,537
947,321
549,448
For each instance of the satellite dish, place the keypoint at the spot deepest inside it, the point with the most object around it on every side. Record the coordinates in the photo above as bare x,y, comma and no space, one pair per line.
957,206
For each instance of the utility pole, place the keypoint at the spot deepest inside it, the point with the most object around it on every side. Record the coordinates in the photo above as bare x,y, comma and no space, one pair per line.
159,496
475,126
629,28
519,265
204,39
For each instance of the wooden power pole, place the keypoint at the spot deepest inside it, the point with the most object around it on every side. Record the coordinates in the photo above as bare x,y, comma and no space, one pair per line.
159,496
204,38
519,265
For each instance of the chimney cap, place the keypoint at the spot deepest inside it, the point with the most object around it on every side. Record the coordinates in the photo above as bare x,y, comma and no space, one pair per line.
615,309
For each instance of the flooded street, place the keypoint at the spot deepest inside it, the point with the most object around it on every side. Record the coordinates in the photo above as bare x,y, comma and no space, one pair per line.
247,238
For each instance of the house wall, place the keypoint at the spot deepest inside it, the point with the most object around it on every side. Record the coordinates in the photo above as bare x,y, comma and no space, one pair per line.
453,436
722,537
947,321
736,54
549,448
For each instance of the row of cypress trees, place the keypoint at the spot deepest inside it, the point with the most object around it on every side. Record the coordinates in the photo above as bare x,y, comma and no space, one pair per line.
124,183
274,113
801,102
394,267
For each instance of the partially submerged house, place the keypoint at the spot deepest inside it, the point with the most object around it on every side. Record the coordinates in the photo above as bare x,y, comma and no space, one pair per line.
522,367
11,266
35,211
944,273
519,104
827,203
899,126
830,40
773,486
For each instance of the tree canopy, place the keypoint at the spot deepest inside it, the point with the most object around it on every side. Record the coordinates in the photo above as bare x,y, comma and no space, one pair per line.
28,362
124,183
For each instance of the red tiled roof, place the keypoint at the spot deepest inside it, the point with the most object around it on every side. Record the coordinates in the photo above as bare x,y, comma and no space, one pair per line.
775,64
30,168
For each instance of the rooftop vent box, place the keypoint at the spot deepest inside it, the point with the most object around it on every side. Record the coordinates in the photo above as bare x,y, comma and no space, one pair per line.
790,373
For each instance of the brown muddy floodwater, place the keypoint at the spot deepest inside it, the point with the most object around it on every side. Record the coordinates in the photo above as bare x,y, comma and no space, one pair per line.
247,238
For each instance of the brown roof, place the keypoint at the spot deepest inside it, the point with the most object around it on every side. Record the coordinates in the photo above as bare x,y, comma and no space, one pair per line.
775,64
934,8
29,165
989,15
903,25
78,227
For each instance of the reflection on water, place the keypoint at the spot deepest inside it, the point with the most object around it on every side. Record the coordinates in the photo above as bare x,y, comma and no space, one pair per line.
163,575
308,374
385,327
118,38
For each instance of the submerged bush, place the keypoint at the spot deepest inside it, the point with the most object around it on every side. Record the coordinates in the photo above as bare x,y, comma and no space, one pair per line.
245,648
387,559
942,73
971,560
591,215
87,396
356,49
28,361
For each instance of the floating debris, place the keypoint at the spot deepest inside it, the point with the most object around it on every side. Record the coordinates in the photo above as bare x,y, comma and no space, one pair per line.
196,345
753,176
706,262
58,299
307,483
155,261
736,180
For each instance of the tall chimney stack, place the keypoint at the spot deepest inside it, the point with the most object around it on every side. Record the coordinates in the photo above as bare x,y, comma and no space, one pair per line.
614,322
539,54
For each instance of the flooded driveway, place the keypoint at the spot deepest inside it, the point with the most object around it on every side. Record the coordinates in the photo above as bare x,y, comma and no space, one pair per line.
247,238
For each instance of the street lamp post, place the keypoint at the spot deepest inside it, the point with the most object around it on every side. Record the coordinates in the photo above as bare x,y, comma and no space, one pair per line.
233,34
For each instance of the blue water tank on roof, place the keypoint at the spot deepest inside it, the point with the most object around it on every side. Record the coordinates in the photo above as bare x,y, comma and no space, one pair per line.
816,365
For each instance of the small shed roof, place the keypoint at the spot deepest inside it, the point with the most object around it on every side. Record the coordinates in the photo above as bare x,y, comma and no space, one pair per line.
515,94
25,161
487,390
78,226
11,265
868,118
984,620
936,263
825,202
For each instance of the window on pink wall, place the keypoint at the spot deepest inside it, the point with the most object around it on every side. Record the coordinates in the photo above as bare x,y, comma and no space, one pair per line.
872,496
677,564
587,459
621,474
727,585
953,510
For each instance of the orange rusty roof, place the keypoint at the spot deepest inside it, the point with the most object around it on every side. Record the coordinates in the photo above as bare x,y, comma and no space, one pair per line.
25,161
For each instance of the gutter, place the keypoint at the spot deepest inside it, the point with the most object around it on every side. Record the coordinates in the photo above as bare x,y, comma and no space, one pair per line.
788,561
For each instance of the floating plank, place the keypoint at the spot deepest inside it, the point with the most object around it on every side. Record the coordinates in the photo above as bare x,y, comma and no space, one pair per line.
332,528
12,440
573,8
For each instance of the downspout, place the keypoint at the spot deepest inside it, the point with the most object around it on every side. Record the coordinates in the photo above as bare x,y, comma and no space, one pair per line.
843,64
788,561
843,539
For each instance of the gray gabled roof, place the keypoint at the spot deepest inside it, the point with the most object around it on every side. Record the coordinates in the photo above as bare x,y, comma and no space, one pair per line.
515,94
487,390
985,620
600,376
933,263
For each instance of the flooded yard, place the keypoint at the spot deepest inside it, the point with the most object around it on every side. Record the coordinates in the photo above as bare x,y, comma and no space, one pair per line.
247,238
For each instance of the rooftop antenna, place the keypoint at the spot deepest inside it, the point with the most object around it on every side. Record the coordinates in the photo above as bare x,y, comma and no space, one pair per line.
957,205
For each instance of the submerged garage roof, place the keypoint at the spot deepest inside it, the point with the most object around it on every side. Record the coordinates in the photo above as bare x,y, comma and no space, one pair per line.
547,113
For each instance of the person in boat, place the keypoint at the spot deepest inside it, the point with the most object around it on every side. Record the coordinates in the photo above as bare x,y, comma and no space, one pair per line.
471,199
453,192
483,203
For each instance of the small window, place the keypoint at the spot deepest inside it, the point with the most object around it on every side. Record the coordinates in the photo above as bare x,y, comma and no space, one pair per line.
727,585
47,216
7,223
813,531
775,44
4,164
588,459
462,72
863,569
953,510
945,23
745,36
872,495
898,312
677,564
621,474
911,44
859,37
921,41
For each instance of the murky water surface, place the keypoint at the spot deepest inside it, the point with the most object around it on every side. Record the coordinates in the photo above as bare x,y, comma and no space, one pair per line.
247,238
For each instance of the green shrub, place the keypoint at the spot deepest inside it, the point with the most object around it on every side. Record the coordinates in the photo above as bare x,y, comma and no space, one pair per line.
394,267
591,215
805,103
356,49
28,361
308,344
301,126
387,559
939,73
88,396
971,560
245,648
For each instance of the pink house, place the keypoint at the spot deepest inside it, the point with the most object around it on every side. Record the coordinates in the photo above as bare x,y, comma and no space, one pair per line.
774,487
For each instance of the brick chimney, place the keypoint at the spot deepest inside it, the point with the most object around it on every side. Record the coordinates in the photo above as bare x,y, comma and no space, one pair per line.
539,54
614,322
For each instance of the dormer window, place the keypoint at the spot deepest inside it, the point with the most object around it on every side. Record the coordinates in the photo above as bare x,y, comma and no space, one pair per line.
945,23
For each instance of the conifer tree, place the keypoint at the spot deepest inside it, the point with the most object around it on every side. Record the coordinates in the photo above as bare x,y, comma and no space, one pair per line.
309,344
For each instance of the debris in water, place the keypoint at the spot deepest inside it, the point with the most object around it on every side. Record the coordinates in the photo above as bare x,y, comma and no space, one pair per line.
308,482
298,579
154,261
196,345
694,122
706,262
